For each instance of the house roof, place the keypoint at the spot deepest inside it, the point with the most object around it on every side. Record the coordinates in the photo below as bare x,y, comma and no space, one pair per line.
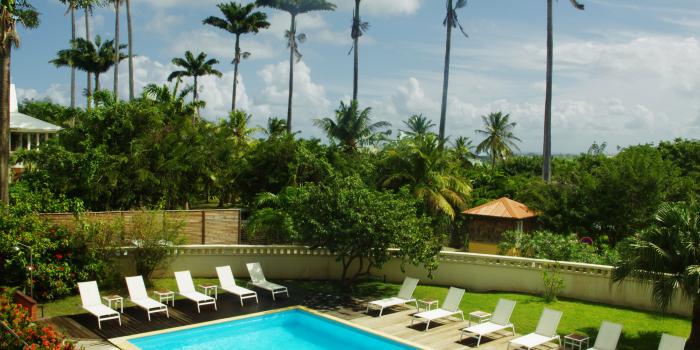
23,122
502,208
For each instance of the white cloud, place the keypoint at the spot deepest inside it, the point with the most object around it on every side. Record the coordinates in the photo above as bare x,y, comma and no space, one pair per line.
179,3
97,24
57,93
163,23
216,43
383,7
312,24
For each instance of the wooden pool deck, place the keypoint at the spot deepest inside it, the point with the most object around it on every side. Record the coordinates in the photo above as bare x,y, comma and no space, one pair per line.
443,334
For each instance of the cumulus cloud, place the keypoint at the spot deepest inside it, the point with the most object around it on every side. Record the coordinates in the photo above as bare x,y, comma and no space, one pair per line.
56,93
383,7
217,43
318,30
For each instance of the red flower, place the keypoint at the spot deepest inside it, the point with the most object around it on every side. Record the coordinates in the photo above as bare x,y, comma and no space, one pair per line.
59,256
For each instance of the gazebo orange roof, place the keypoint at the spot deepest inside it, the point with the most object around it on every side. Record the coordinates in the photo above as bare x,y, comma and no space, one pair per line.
503,208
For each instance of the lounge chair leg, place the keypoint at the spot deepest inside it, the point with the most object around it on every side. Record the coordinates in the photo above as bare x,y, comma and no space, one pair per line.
427,325
198,310
256,299
167,313
120,320
241,297
380,311
478,341
149,315
215,308
273,296
413,319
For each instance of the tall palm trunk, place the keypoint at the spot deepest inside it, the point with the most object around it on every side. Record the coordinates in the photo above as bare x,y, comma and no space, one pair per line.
89,75
547,147
97,82
446,76
72,68
356,47
116,48
293,33
131,54
236,61
5,53
195,96
694,338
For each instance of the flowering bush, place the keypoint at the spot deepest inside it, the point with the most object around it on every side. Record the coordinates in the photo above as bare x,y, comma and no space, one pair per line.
34,336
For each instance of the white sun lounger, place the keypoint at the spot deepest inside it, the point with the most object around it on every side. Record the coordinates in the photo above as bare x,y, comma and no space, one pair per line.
228,283
546,331
405,296
608,336
257,278
90,296
671,342
498,322
185,288
139,296
449,307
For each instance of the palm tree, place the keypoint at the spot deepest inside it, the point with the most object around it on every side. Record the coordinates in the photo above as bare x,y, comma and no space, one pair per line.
72,5
275,127
88,6
418,125
422,165
351,127
194,67
463,151
239,20
547,144
295,8
668,255
172,97
358,28
131,50
500,140
95,58
117,45
450,21
11,12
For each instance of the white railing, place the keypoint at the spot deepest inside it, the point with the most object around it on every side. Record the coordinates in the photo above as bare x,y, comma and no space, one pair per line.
478,272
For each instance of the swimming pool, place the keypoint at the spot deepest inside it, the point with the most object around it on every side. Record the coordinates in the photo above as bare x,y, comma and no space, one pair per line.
291,329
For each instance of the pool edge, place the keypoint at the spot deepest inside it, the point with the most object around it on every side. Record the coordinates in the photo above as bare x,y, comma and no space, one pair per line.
124,344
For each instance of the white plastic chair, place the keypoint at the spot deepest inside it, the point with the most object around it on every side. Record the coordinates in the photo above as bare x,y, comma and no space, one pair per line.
405,296
257,278
608,336
90,297
139,296
498,322
449,307
546,331
671,342
228,283
185,288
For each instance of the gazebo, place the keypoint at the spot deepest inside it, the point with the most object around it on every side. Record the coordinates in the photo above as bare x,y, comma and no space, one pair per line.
487,223
25,131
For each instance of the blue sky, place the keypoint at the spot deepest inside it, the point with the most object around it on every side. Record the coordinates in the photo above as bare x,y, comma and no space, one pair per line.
626,71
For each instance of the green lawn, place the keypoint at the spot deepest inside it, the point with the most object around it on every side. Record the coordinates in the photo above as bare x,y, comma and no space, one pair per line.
642,330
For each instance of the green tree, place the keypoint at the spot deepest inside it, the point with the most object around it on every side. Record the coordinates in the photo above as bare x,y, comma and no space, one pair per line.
463,151
547,144
418,125
352,127
194,67
500,140
361,225
275,127
95,58
421,164
238,20
668,255
11,12
356,31
295,8
450,21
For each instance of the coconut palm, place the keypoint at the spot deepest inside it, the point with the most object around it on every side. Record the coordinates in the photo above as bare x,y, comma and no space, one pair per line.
351,127
131,49
172,97
547,144
450,21
295,8
356,31
668,255
422,165
418,125
11,12
194,67
238,20
72,5
500,140
463,151
95,58
275,127
88,6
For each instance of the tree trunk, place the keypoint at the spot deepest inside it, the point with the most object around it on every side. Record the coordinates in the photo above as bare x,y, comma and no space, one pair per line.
446,75
293,33
195,96
5,53
116,49
356,47
236,61
72,68
89,75
131,53
694,338
547,147
97,82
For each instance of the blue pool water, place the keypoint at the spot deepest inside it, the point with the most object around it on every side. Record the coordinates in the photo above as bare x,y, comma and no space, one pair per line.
293,329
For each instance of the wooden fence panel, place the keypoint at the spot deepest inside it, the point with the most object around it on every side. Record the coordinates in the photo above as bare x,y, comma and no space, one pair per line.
216,226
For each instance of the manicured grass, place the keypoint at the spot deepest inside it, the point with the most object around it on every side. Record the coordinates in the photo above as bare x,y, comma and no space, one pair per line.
642,330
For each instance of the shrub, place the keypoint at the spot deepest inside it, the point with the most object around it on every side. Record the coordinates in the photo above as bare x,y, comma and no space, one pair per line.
152,236
552,246
36,337
553,284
